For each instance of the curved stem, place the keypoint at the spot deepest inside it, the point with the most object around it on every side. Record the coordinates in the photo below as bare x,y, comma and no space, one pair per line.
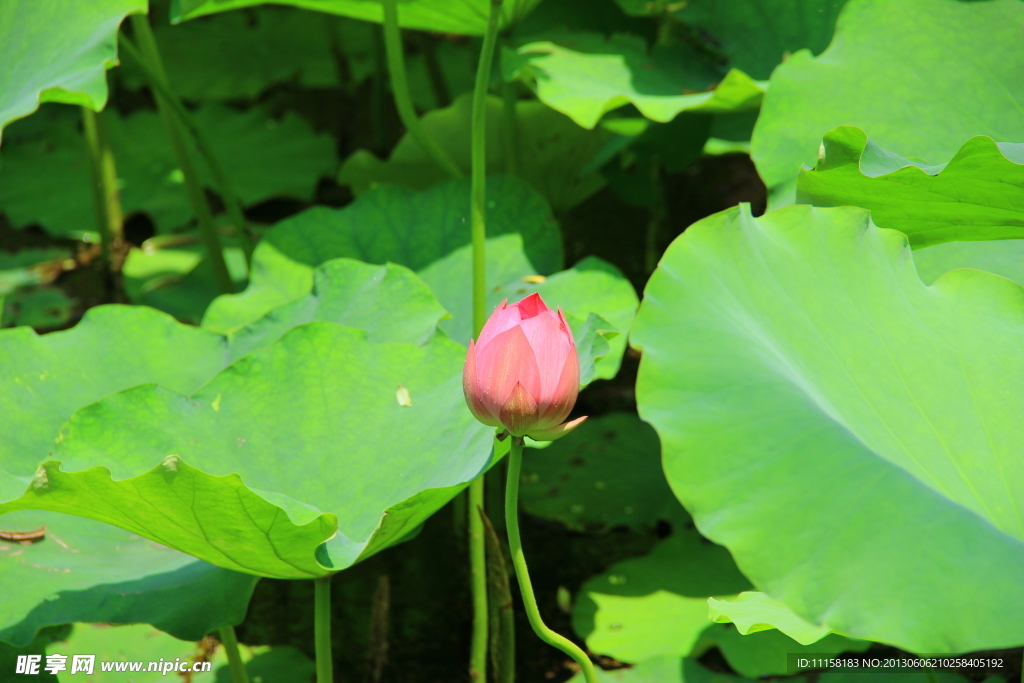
148,57
400,89
478,229
104,186
227,194
322,629
230,642
570,648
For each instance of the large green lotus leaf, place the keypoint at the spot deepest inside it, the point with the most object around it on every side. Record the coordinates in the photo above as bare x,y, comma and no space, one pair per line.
757,35
606,473
465,17
553,152
172,273
50,377
873,76
391,223
797,369
767,653
590,287
585,75
52,52
978,195
1002,257
667,669
47,378
86,571
752,611
296,461
656,604
44,177
240,54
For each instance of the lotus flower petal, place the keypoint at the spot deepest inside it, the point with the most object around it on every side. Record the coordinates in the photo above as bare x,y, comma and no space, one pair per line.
503,318
471,387
547,338
506,361
555,432
564,394
519,412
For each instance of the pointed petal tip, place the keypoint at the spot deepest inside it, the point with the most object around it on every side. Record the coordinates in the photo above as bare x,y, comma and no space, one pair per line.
556,432
531,306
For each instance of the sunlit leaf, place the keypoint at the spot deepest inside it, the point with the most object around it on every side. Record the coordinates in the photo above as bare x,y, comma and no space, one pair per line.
872,77
796,369
273,467
978,195
656,604
752,612
585,75
53,52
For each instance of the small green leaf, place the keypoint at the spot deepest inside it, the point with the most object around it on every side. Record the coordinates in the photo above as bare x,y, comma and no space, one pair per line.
978,195
45,178
238,55
390,223
465,17
584,76
552,151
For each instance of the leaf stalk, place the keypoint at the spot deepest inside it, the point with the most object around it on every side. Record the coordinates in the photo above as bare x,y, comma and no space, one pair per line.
403,100
230,642
166,98
109,217
478,228
322,629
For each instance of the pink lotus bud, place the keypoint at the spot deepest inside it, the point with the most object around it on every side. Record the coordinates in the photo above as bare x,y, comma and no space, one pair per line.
523,372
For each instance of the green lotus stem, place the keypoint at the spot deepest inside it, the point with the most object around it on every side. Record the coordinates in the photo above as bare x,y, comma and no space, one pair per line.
438,86
515,461
109,218
152,69
237,667
322,629
929,674
478,228
400,89
377,91
148,58
510,128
